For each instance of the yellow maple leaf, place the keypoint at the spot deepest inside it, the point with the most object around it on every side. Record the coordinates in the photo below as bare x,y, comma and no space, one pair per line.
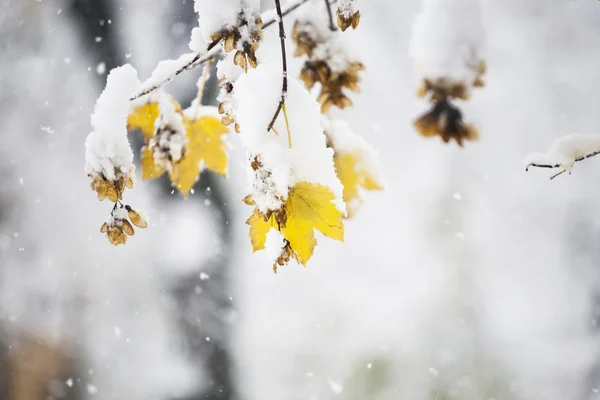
143,117
353,174
259,229
149,168
205,145
308,207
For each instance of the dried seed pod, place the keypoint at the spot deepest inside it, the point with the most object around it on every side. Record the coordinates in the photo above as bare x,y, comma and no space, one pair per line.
127,228
446,121
346,20
116,236
138,219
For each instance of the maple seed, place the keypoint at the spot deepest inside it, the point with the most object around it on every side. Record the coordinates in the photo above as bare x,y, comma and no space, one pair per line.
345,21
136,218
116,236
127,228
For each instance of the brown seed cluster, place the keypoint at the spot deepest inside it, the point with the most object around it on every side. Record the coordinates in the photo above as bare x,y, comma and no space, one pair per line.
319,67
445,119
111,189
244,38
118,227
443,88
225,104
347,19
305,38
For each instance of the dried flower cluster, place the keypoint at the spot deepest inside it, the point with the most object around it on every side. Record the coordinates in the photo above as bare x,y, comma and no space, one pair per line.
112,189
244,38
118,227
328,64
444,119
347,14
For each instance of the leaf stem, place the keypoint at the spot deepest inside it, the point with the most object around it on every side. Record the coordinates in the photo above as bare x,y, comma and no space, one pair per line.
332,26
284,87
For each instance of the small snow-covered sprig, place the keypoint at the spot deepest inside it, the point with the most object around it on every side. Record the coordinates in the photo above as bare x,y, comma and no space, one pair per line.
564,153
109,158
446,47
203,51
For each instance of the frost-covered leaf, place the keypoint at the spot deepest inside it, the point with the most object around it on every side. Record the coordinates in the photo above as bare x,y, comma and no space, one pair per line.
308,207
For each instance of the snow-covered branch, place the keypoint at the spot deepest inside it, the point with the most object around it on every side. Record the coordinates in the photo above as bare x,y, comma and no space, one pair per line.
564,153
166,71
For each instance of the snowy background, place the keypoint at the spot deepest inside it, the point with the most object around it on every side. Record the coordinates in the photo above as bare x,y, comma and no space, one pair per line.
466,279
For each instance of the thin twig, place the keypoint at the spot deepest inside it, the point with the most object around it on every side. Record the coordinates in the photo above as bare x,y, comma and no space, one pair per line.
203,79
595,153
332,26
212,51
284,87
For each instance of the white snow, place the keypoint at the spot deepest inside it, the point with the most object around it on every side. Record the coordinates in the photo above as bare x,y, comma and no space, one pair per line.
217,15
274,244
447,40
171,131
166,70
256,96
564,152
107,147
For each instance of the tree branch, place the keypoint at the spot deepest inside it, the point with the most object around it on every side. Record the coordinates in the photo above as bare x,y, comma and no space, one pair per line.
332,26
213,50
595,153
284,87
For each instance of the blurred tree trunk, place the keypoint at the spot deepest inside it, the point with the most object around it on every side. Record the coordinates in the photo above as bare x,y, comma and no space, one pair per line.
202,316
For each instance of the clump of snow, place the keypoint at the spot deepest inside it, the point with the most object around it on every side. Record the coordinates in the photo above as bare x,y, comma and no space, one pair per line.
216,15
170,139
274,245
447,40
108,151
167,70
221,15
307,159
565,152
